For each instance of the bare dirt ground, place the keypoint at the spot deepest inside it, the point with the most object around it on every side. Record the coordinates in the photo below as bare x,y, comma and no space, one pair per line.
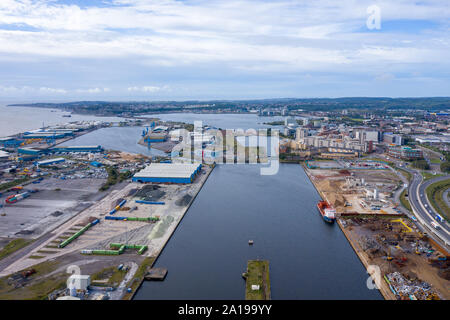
346,189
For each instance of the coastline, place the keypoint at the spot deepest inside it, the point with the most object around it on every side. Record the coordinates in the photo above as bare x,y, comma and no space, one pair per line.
384,290
141,280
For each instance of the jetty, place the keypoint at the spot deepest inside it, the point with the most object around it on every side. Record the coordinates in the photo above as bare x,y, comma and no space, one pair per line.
257,280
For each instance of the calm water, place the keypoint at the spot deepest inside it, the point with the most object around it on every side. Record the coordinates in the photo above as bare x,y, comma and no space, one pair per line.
15,120
207,254
126,138
115,138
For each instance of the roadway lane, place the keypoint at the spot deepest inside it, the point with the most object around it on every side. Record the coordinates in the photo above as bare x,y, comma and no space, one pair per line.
424,199
417,198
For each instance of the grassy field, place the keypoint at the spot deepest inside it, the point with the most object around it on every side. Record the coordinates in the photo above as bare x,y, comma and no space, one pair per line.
13,246
13,183
435,160
112,274
428,175
405,173
257,274
138,277
404,200
36,287
435,195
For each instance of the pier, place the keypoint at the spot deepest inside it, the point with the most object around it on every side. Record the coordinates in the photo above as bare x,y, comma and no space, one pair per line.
257,279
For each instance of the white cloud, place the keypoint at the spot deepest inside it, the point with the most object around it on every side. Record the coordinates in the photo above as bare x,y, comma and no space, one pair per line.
93,90
147,89
211,36
52,90
203,31
27,89
385,77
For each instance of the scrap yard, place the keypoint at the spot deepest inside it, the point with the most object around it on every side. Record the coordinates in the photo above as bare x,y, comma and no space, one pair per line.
404,261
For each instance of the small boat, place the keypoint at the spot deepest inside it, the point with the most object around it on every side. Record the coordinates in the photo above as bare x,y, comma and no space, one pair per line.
327,211
250,242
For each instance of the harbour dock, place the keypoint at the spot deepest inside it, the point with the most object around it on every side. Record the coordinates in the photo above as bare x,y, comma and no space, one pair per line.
257,280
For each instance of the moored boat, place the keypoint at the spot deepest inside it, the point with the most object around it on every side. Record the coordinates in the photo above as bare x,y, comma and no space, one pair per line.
327,211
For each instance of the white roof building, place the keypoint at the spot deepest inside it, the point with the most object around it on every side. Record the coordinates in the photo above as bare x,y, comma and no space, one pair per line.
4,154
79,281
168,172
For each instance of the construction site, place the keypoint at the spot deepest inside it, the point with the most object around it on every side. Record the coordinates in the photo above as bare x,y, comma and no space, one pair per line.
359,190
410,265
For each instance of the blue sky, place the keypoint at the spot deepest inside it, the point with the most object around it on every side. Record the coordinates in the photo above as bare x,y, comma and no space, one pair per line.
63,50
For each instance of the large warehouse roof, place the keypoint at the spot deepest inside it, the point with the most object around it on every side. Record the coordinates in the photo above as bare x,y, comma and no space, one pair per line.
4,154
168,170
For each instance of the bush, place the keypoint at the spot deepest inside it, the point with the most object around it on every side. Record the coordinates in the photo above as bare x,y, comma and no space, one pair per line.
445,166
421,164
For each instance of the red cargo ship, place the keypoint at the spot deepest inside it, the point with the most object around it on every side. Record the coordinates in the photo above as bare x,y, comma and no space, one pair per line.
327,211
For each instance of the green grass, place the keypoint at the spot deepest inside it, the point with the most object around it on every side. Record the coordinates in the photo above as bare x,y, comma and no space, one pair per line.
138,277
113,275
38,286
257,274
114,176
435,160
13,246
405,173
13,183
435,193
47,252
404,201
428,175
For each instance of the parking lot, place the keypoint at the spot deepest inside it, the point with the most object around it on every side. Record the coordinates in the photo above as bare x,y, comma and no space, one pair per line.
55,202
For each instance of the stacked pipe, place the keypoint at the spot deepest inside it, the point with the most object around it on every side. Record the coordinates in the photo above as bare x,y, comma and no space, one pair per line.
145,219
79,233
150,202
120,205
120,248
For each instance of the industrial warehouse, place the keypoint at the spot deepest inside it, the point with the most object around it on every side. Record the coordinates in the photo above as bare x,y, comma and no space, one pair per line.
168,173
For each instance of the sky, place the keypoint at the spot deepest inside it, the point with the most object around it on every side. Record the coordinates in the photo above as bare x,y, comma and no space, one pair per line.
66,50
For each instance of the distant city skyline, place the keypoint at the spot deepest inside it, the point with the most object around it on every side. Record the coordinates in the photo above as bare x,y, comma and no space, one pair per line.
66,50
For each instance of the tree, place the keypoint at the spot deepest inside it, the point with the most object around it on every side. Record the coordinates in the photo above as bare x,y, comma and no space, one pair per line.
445,166
421,164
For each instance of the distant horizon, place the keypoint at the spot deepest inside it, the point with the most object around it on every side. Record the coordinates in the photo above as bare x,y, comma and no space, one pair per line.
159,50
49,101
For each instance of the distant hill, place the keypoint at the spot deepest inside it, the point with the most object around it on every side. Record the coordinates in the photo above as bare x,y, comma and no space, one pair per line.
310,104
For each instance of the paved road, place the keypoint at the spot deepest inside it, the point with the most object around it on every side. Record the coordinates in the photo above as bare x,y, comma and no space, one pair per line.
417,198
426,201
422,208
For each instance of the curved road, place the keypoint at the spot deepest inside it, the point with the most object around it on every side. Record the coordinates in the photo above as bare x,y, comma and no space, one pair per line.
423,209
445,196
